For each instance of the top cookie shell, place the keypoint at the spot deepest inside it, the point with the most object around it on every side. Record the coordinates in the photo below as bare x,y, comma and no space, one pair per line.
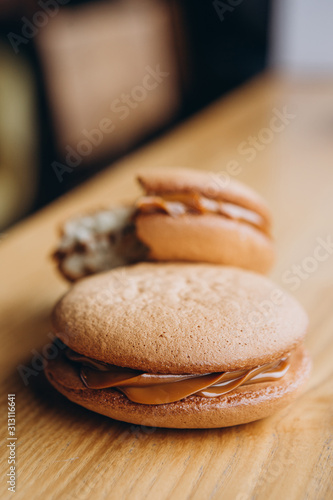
180,318
209,184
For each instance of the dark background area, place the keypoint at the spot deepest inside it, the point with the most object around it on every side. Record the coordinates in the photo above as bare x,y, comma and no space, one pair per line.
216,50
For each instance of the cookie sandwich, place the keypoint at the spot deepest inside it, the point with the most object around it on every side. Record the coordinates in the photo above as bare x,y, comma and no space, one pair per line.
180,345
188,215
183,215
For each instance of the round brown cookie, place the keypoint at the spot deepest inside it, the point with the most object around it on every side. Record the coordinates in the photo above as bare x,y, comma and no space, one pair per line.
245,404
180,318
206,237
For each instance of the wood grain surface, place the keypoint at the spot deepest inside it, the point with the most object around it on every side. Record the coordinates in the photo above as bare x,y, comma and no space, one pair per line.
64,451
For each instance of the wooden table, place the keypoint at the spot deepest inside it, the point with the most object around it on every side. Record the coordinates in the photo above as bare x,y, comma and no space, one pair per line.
64,451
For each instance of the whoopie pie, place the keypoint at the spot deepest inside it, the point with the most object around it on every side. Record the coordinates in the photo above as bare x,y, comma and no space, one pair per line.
184,215
180,345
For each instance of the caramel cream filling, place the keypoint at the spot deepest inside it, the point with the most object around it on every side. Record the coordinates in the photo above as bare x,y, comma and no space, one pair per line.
183,203
147,388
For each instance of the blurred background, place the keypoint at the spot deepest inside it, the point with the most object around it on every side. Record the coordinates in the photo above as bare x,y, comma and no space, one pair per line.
83,83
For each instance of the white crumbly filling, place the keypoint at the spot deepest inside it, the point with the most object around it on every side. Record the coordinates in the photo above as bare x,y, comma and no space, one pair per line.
83,228
93,243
